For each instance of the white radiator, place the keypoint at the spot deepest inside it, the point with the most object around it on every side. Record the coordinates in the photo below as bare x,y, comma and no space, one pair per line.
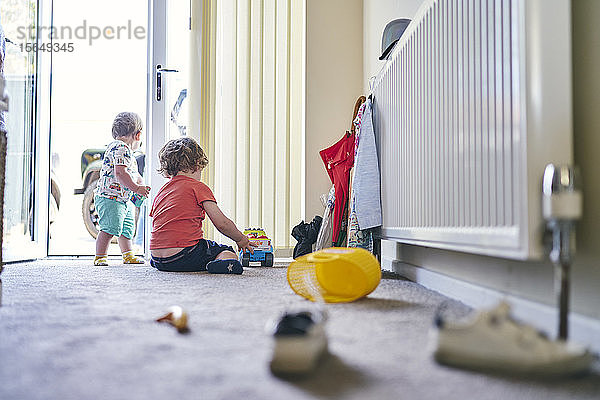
474,101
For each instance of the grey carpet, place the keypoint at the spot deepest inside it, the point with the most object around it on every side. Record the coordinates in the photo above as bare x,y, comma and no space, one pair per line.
69,330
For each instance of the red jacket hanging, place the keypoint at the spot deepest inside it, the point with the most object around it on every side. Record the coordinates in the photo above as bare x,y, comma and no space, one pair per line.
338,160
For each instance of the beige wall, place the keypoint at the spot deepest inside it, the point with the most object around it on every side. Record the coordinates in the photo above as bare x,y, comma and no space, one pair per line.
586,113
534,281
343,43
334,73
377,13
586,126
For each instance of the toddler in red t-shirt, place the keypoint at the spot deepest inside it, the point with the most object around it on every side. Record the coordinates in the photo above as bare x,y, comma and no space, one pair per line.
177,242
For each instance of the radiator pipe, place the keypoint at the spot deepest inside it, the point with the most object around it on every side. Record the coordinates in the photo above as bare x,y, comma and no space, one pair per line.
561,256
561,207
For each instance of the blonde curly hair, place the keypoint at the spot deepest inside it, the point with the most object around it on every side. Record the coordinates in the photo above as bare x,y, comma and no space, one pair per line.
183,154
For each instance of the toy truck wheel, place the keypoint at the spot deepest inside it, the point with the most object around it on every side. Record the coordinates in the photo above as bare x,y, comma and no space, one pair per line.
246,260
268,261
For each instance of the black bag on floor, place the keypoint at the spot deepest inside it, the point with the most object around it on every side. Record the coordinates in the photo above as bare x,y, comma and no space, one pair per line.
306,235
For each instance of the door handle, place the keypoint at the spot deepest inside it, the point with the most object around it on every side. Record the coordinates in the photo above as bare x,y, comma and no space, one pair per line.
159,71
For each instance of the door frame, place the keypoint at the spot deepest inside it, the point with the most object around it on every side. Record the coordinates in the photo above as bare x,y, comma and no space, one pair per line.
41,114
156,123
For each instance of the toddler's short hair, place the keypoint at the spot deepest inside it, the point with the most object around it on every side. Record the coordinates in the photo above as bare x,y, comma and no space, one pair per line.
126,124
183,154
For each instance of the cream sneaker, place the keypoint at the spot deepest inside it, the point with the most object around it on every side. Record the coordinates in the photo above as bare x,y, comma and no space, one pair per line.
493,341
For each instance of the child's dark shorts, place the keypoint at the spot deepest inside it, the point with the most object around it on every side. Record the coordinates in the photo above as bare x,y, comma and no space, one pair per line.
191,259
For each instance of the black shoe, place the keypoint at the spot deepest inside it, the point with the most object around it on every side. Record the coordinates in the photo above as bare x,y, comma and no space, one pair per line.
225,267
299,342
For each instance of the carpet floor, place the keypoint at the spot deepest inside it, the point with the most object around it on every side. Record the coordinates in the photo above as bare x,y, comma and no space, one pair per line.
69,330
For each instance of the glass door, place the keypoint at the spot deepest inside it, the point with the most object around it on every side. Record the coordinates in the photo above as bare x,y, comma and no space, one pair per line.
168,79
101,74
26,70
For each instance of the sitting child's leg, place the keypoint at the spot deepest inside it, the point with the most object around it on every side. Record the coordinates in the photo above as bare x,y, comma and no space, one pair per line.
225,266
226,255
225,262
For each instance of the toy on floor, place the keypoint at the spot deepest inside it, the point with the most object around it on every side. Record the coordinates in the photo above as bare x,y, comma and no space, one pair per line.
340,274
177,317
263,254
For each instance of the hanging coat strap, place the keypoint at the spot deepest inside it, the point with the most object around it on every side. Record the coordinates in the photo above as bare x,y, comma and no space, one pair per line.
357,105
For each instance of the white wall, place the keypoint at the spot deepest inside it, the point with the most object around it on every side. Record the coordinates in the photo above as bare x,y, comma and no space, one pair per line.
377,13
334,71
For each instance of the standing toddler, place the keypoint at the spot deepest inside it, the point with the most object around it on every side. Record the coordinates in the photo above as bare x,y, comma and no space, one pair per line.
119,179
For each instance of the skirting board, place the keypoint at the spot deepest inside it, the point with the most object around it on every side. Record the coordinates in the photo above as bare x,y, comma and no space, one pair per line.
583,330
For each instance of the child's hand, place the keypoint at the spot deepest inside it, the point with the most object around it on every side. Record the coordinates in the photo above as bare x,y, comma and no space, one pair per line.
143,190
246,245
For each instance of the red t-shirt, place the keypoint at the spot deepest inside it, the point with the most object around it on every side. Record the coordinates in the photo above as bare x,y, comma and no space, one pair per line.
177,213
